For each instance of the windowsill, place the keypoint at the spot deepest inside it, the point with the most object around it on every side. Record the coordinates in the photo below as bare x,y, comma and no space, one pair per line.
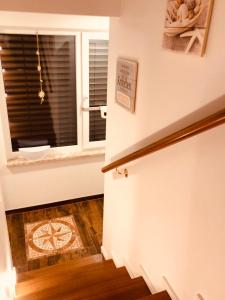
54,157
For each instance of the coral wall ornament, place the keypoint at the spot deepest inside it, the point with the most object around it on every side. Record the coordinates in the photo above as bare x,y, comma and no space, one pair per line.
187,25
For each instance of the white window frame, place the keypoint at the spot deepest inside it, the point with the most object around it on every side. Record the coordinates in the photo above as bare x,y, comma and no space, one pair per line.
3,104
86,36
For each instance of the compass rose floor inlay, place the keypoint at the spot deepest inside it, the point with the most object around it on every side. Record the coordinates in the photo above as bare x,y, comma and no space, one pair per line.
51,237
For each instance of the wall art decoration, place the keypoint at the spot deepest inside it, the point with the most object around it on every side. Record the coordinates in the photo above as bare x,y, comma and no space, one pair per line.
187,25
126,83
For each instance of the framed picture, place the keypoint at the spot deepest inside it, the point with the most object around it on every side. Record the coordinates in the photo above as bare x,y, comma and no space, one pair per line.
187,25
126,83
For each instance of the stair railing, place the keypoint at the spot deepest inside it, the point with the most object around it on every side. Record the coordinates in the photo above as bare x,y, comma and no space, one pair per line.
196,128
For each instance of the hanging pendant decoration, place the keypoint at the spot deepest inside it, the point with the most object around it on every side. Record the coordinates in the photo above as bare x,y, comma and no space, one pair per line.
41,93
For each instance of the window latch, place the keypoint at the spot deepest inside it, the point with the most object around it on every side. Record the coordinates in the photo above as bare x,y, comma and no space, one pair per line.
93,108
102,109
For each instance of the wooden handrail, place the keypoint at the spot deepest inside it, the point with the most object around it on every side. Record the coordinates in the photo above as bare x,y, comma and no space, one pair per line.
205,124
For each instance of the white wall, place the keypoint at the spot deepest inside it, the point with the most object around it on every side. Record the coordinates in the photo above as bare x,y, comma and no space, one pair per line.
6,274
169,215
52,21
50,182
75,7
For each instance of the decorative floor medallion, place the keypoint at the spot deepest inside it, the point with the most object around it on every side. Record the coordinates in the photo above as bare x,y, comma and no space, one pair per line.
51,237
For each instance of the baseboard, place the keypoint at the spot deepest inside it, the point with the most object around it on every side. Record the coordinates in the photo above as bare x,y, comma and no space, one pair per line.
144,273
123,262
118,261
105,254
54,204
170,289
146,276
133,274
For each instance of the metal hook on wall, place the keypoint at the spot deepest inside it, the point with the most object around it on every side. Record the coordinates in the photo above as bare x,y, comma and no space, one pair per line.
123,172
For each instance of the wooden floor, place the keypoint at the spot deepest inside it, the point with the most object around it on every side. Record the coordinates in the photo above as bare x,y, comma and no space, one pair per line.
88,216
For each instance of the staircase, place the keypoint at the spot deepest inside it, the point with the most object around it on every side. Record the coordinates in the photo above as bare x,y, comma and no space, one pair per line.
89,278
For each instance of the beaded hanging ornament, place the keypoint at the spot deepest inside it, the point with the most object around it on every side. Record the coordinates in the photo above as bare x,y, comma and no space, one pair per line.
41,93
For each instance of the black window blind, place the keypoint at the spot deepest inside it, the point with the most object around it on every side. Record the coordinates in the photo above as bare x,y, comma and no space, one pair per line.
98,71
54,122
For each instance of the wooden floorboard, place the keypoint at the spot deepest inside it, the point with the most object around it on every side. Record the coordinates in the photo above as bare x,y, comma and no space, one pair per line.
88,216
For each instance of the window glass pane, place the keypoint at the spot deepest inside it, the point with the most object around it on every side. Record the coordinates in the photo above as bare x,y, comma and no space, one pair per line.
98,71
54,122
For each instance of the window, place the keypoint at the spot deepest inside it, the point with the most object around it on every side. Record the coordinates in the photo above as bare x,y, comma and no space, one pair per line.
95,64
57,121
